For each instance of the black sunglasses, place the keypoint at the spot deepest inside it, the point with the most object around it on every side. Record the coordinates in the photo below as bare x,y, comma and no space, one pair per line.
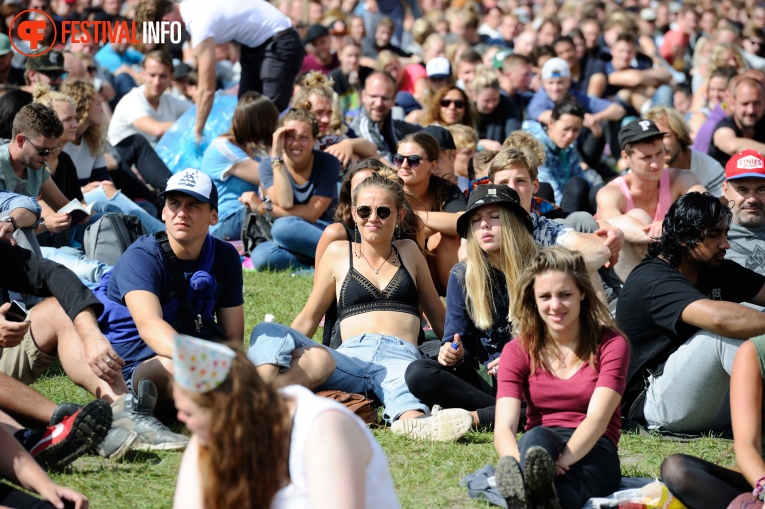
414,161
365,211
54,75
458,103
42,152
92,68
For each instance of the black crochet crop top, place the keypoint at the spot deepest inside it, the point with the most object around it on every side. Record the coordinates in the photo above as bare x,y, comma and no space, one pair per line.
358,294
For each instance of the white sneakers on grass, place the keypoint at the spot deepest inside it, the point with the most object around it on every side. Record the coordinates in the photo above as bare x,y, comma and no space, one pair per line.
442,425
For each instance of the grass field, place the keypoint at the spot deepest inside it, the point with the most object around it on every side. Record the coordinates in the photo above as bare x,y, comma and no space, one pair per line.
426,475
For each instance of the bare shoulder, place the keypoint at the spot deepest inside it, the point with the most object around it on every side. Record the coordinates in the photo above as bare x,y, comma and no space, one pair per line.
610,197
335,231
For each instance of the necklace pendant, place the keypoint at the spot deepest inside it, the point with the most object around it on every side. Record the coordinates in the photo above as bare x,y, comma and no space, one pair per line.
376,271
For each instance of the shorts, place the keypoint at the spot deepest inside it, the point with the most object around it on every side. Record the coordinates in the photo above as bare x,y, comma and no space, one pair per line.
25,362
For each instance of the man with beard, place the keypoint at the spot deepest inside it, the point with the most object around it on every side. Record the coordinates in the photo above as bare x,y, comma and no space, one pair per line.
678,152
744,190
680,309
745,128
375,122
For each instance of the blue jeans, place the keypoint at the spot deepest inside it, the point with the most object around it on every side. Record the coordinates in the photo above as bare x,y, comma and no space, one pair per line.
291,235
89,271
368,362
121,203
229,228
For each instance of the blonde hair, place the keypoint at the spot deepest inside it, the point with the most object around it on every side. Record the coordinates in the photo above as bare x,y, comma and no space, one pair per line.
529,326
42,93
517,249
519,149
485,77
464,136
316,83
84,94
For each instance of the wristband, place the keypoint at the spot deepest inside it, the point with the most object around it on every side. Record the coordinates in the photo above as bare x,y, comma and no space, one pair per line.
759,489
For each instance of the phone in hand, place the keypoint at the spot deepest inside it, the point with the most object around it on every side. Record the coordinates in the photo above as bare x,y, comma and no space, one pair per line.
17,312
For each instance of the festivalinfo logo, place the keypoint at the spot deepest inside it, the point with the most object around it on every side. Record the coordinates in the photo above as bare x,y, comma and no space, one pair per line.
31,26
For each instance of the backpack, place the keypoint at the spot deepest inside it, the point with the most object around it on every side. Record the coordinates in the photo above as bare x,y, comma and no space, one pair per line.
109,237
256,229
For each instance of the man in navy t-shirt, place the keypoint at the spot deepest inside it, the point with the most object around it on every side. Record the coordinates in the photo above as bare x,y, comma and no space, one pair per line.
142,310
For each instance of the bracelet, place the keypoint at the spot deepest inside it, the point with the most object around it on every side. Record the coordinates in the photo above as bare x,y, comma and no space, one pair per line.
759,489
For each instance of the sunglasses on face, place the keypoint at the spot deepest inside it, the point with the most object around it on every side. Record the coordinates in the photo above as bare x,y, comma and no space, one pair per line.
458,103
92,68
42,152
414,161
54,75
365,211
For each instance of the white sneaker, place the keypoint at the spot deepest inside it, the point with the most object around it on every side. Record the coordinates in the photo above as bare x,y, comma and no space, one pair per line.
443,425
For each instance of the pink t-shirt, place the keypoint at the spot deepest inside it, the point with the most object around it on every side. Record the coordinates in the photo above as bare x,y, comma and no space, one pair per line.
412,74
555,402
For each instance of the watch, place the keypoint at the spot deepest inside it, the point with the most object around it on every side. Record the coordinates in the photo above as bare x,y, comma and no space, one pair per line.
10,219
41,223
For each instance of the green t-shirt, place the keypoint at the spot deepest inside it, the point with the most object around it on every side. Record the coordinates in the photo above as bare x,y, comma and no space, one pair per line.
10,182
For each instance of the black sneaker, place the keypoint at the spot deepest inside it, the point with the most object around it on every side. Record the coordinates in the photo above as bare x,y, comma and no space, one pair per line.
74,436
510,483
539,473
63,410
136,413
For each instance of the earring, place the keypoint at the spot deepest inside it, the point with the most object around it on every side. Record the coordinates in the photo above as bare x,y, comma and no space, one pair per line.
398,231
355,238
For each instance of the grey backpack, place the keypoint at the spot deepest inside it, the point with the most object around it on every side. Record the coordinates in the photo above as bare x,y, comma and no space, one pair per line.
109,237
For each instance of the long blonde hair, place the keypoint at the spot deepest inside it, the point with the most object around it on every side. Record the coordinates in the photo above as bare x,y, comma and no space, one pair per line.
529,327
516,250
84,93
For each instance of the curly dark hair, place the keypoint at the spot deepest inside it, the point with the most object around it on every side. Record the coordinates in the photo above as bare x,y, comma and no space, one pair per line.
689,221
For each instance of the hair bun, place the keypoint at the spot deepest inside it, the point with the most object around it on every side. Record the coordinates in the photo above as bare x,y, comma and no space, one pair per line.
303,105
40,91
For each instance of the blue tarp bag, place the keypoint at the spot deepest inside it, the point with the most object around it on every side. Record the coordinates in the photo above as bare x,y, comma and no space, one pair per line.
178,148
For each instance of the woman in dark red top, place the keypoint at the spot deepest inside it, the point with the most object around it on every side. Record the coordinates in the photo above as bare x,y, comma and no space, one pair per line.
569,362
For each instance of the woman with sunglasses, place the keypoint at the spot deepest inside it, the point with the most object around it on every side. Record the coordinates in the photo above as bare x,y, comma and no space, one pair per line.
437,203
380,284
569,363
499,245
449,106
343,229
301,183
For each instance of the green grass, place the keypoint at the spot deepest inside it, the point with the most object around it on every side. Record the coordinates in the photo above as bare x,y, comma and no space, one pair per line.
425,474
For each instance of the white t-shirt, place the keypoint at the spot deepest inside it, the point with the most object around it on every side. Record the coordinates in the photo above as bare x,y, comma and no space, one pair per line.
379,489
83,159
134,105
709,172
248,22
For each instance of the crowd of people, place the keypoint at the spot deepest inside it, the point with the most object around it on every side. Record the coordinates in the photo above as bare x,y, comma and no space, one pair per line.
536,217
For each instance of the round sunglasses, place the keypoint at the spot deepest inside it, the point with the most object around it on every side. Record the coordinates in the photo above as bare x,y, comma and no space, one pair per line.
458,103
413,161
365,211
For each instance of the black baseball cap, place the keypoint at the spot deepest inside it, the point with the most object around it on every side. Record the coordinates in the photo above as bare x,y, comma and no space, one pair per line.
493,194
638,130
442,135
314,32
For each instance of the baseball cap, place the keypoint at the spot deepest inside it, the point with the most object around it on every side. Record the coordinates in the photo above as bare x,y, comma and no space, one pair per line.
5,45
314,32
439,68
638,130
442,135
648,14
499,58
748,163
195,184
556,68
181,70
493,194
51,61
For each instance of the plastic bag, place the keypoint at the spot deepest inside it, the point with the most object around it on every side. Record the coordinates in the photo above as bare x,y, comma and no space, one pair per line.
178,147
651,496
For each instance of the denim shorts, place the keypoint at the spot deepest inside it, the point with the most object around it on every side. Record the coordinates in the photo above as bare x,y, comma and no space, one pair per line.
365,363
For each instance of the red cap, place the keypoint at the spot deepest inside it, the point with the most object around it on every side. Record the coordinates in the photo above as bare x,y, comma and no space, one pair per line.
748,163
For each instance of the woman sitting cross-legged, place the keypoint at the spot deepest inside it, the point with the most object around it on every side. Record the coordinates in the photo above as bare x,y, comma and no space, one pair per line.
569,363
301,183
255,446
499,246
380,284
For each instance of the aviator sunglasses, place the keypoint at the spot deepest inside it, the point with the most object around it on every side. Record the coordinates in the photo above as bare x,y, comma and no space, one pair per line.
365,211
414,161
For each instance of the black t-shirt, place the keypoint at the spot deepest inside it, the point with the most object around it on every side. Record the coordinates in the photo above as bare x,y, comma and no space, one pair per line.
65,178
652,300
342,85
589,66
722,157
497,125
455,201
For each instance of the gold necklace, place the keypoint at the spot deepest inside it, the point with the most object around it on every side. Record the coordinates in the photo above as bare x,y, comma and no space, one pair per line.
377,270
